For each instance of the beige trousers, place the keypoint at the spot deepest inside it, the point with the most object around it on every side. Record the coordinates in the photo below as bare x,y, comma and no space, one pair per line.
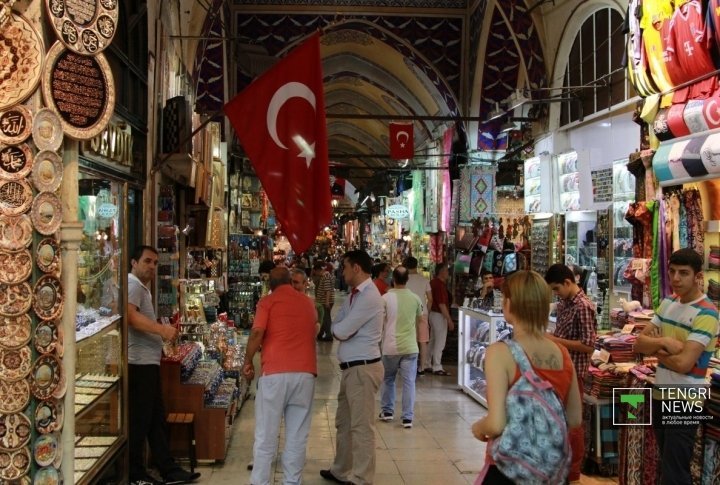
355,423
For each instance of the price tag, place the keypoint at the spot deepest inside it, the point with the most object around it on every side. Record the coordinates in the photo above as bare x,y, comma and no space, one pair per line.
628,328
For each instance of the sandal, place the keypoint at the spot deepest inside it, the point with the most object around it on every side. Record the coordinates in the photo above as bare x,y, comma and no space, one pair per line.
441,373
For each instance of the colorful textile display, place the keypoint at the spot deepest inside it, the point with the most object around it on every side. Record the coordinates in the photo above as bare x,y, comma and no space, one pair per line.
477,192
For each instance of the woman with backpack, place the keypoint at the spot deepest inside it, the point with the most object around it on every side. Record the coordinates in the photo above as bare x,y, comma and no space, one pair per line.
533,394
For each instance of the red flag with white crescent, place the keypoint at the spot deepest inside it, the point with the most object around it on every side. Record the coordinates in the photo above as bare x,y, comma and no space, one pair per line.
280,121
401,141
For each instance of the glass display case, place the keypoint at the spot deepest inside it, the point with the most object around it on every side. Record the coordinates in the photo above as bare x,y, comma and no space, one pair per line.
622,231
568,181
477,330
100,385
581,239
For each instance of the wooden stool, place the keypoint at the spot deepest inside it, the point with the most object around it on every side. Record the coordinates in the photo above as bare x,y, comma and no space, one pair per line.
187,420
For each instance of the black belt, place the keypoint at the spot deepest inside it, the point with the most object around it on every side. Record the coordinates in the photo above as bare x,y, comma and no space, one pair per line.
353,363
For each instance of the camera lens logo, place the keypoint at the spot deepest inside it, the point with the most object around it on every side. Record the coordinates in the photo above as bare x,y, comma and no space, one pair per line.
632,406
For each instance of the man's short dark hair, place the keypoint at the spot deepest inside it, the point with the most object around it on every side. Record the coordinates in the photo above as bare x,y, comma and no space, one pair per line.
400,275
266,266
279,276
139,250
558,273
379,268
484,272
687,257
361,258
410,262
319,265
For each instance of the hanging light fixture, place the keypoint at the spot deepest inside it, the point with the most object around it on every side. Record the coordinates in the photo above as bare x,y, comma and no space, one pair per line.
495,113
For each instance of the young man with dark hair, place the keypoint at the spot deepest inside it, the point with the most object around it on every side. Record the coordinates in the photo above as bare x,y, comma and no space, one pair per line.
358,326
683,336
486,294
380,278
145,342
576,329
440,320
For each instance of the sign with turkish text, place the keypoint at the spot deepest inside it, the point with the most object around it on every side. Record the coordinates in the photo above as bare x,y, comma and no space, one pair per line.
397,211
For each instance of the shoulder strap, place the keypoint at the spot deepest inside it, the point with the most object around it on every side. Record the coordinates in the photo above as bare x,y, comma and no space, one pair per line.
519,355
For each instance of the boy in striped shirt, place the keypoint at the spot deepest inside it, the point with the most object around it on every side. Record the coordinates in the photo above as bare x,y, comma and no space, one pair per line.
682,336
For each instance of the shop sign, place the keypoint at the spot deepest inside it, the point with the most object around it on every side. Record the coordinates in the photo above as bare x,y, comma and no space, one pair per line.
80,89
397,211
107,210
84,26
114,143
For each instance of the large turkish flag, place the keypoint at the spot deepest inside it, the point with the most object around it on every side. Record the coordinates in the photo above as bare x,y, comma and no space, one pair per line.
401,141
280,121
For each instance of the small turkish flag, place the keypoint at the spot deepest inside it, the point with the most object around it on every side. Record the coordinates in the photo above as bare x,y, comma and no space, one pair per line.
401,141
280,121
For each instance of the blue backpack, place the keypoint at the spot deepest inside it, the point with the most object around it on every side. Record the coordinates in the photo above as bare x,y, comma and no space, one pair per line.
534,447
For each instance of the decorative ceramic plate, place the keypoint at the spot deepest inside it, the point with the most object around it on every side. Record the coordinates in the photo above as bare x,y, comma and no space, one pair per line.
14,464
45,449
47,255
16,396
49,416
47,171
22,52
46,337
15,232
15,364
15,125
48,301
86,30
16,266
15,331
15,299
45,376
47,130
47,476
46,213
16,197
80,90
15,430
61,387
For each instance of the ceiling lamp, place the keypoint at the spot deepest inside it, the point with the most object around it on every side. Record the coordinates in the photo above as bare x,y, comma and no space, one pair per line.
517,99
496,113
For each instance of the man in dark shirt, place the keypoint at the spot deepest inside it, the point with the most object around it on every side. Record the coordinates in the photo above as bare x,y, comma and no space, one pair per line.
440,319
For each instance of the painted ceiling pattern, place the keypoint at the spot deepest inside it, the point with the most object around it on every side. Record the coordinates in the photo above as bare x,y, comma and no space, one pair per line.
209,64
452,4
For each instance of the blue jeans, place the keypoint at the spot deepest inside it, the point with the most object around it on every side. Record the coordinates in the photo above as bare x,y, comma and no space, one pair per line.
407,364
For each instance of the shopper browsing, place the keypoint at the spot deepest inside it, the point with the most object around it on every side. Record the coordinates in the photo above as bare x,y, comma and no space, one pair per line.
284,326
420,285
525,305
325,295
298,280
399,347
358,326
576,328
440,320
487,290
682,336
145,343
381,276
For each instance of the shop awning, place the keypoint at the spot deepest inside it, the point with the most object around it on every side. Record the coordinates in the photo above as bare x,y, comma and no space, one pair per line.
692,158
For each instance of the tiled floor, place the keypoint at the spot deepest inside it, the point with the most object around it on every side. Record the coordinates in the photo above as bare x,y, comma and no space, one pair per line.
439,449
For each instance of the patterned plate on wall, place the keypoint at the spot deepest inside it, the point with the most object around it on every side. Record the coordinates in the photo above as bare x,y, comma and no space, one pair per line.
85,27
22,53
16,197
48,300
49,416
14,464
46,213
15,232
45,449
15,430
15,125
15,364
15,161
47,171
15,331
16,266
45,376
47,130
16,396
47,337
47,255
15,299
